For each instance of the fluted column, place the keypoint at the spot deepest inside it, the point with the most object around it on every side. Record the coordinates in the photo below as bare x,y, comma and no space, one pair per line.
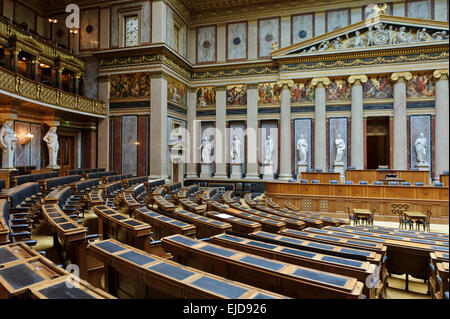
320,123
191,116
220,139
103,150
357,127
441,122
400,136
252,131
285,131
158,126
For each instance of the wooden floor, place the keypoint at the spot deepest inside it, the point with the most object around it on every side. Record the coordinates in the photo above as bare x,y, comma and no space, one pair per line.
417,288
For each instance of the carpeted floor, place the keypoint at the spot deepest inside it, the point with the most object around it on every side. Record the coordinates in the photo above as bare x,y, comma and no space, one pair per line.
396,284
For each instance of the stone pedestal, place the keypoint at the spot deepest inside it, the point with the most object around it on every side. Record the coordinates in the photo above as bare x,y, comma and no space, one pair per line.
268,171
339,168
423,166
301,168
205,171
53,167
236,171
7,159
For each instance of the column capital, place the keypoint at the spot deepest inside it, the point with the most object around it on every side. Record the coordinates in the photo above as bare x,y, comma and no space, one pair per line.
441,74
191,90
357,79
401,76
252,86
285,84
220,88
158,75
320,82
102,78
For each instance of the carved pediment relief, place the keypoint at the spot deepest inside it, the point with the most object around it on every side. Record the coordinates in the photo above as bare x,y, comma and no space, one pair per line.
383,32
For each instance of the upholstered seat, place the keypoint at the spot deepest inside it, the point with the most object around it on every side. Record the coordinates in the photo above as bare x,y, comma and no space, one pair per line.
362,182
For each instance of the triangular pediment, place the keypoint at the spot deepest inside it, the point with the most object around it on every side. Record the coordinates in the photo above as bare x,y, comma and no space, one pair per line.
379,32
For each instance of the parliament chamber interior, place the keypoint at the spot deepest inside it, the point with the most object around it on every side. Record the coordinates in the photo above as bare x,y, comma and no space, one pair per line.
212,149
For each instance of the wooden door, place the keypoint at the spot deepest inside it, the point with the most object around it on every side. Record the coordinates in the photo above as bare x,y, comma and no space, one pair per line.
66,153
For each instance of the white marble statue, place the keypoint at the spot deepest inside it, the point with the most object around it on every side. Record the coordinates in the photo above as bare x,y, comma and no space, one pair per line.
206,151
324,45
302,148
421,149
391,34
440,35
236,150
268,150
8,144
51,138
402,36
337,43
340,149
422,35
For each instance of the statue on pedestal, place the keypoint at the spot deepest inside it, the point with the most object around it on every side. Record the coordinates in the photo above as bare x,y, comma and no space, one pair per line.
236,150
302,148
8,144
421,149
206,151
268,150
51,138
340,149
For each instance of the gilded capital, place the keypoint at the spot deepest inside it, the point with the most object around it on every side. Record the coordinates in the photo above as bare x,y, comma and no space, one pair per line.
191,90
357,79
221,88
320,82
285,84
158,75
252,86
441,74
401,76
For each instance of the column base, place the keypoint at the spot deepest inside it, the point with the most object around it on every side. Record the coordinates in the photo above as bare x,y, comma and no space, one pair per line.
191,176
55,167
284,177
423,166
268,171
339,168
8,169
301,168
205,171
236,171
253,176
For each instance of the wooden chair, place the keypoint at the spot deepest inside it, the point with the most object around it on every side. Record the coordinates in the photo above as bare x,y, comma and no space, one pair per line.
406,221
425,223
351,217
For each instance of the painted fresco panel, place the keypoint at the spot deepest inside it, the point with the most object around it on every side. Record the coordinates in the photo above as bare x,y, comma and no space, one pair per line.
302,92
302,127
302,27
338,90
268,34
419,9
421,85
129,148
337,126
176,91
130,85
379,87
206,96
419,124
337,19
206,44
269,93
237,41
236,95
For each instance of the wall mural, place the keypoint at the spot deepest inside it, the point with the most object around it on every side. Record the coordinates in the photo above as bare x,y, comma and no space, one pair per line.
206,44
269,93
337,19
237,41
268,34
378,88
419,9
302,92
206,96
301,27
129,85
236,94
338,90
421,85
176,91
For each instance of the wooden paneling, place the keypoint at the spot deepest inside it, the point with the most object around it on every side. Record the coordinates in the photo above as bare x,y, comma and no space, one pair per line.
322,177
378,175
444,180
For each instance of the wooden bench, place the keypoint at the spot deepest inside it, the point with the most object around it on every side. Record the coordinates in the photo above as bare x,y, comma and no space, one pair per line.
95,197
327,221
4,225
238,224
227,197
154,277
191,206
51,183
205,227
128,200
271,203
112,224
268,225
287,279
337,265
14,252
436,281
163,204
164,226
249,200
291,206
290,222
310,222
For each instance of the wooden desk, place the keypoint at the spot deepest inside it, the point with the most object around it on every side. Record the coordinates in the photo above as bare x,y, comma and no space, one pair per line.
372,175
15,252
322,177
415,215
238,224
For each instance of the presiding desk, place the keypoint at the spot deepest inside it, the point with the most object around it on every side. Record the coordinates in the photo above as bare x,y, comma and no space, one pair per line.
372,175
337,197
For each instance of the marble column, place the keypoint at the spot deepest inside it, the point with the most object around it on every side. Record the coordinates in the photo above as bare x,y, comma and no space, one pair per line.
285,132
252,131
103,154
400,133
15,56
159,20
192,133
36,70
221,133
158,126
441,123
59,78
357,127
320,123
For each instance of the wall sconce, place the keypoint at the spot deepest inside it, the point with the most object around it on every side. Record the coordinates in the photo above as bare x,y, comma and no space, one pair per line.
136,143
26,139
52,20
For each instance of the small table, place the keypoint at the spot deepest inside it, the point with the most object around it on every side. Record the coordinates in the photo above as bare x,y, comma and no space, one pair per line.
415,215
363,214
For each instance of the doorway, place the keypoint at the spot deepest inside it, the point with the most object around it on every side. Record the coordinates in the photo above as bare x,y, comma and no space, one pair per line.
66,153
377,142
